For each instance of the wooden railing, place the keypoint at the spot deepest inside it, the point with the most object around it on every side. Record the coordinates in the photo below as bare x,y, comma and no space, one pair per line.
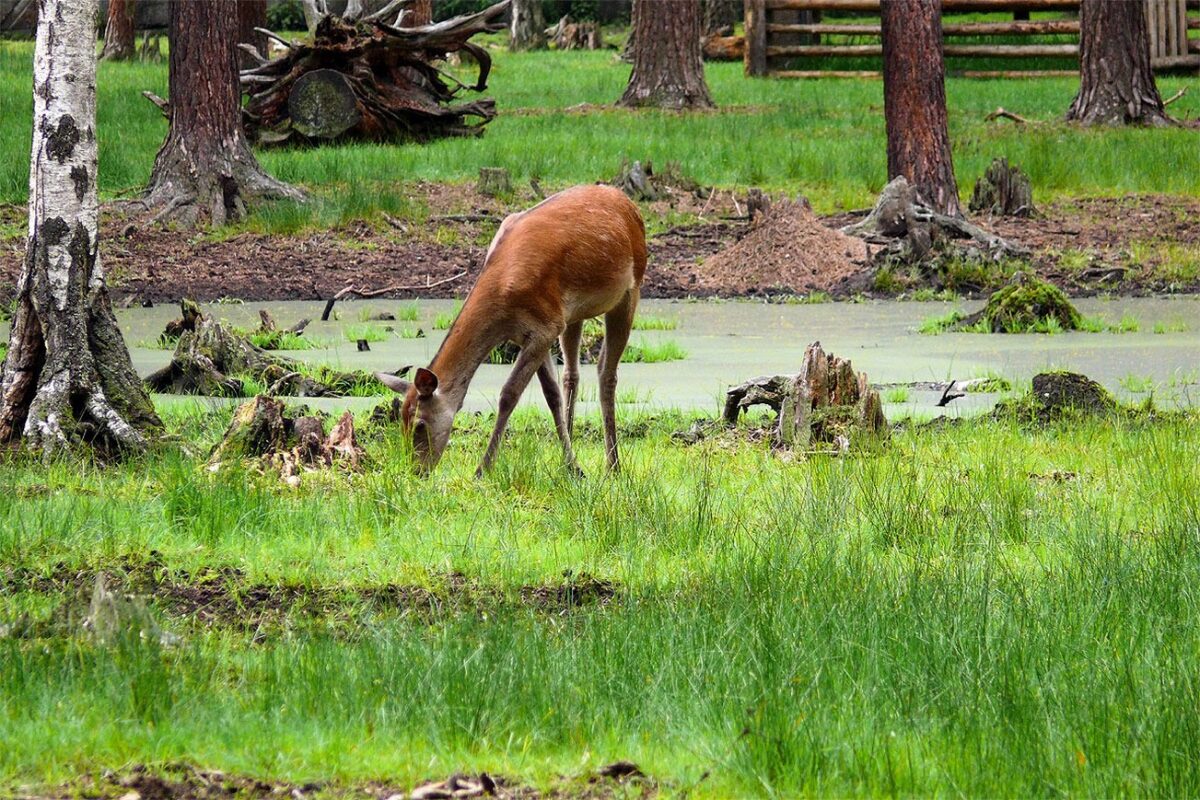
782,34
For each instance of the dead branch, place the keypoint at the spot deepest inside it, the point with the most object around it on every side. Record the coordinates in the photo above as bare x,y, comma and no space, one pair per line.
1000,112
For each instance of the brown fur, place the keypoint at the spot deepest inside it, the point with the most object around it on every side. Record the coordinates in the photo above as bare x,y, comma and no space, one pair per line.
576,255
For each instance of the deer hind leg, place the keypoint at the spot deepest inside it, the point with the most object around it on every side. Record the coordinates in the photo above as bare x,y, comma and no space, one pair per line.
533,353
554,399
617,324
570,340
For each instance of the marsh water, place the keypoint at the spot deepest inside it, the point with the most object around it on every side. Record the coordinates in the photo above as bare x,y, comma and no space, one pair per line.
730,341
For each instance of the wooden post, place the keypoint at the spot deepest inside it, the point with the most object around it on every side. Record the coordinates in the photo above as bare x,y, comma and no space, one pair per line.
756,37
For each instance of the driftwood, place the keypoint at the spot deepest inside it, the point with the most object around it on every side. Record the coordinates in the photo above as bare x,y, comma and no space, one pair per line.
910,228
826,402
210,359
1003,191
571,35
262,429
364,79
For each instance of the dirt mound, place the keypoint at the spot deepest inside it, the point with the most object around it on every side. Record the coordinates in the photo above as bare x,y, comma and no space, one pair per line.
788,250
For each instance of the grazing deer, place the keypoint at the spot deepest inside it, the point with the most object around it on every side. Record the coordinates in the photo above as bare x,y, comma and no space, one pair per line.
576,255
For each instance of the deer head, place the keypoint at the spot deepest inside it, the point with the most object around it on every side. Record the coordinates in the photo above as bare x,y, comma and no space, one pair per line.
426,415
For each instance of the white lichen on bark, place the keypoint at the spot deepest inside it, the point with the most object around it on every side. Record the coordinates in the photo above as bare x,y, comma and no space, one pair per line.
63,162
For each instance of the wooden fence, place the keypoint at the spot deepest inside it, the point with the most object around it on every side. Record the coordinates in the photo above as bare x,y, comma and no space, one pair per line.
782,34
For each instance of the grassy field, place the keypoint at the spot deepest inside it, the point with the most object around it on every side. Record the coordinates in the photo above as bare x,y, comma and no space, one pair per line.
980,610
824,139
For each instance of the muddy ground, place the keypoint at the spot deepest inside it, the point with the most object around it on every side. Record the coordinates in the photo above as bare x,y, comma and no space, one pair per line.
1083,245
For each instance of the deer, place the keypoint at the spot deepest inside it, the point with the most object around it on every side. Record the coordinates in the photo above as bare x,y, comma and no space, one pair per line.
579,254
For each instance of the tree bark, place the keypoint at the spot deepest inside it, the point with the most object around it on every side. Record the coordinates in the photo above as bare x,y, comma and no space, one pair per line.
1116,83
252,14
721,16
914,102
67,377
527,30
417,14
205,168
119,31
668,68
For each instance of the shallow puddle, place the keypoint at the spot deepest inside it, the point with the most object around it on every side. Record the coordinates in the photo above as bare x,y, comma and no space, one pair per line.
728,342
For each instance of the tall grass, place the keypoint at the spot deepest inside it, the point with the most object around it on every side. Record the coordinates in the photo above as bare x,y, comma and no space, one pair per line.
941,617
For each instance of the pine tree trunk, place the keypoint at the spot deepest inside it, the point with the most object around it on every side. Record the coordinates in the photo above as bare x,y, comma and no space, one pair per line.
914,102
1116,83
252,14
205,168
668,68
119,31
528,28
67,377
720,15
420,12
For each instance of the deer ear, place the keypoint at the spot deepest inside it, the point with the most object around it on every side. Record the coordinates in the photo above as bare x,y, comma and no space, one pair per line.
426,382
396,384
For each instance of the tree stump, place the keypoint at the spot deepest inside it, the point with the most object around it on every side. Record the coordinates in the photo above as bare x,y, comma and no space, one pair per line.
637,181
1003,191
494,182
262,429
825,402
571,35
209,357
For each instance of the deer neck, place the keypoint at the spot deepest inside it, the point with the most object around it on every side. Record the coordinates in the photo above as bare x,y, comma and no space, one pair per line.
466,346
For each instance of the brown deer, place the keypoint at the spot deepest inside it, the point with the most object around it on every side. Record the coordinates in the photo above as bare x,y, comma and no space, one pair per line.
576,255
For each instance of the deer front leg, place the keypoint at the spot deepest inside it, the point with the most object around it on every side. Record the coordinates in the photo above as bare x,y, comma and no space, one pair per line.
531,358
617,325
554,399
570,340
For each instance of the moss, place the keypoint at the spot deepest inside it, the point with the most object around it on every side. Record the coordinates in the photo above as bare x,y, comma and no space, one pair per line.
1028,303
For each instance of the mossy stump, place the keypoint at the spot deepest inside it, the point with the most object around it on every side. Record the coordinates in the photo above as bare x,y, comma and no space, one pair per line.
1026,303
827,402
262,429
1056,392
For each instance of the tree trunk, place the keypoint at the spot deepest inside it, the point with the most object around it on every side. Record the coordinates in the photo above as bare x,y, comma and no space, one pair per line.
914,102
668,70
720,16
119,32
417,14
528,28
252,14
67,377
1116,84
205,167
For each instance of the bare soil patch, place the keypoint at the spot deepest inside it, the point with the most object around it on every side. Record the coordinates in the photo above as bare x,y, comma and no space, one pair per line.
788,249
1082,245
183,781
225,596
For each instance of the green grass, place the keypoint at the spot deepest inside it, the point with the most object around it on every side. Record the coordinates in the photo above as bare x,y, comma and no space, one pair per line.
370,333
944,616
283,340
649,351
1171,326
445,319
824,139
897,394
646,322
941,323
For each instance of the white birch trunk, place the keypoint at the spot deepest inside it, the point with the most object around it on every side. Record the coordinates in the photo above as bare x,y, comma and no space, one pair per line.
67,376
